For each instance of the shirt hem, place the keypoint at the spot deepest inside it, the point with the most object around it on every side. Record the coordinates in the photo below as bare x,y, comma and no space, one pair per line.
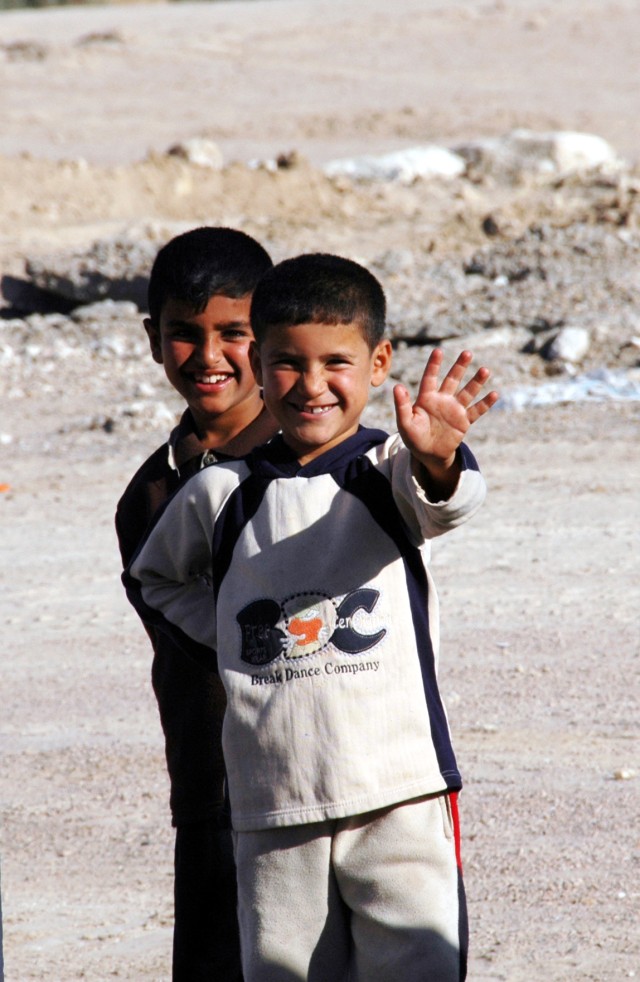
360,805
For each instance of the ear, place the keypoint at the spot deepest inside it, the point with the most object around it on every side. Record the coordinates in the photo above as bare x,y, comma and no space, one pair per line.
256,363
381,362
155,343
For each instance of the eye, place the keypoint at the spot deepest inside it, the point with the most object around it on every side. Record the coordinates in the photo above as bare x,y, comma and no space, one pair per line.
181,333
284,361
237,334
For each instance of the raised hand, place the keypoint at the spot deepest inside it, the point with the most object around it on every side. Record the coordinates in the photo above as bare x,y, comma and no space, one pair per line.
434,426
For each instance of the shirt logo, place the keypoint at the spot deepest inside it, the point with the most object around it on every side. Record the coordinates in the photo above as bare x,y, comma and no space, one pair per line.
306,623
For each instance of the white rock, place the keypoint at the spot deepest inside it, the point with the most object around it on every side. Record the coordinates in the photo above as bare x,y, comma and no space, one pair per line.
507,337
580,151
62,349
624,774
259,163
570,344
144,390
525,151
111,346
403,166
105,310
154,413
562,151
198,150
7,355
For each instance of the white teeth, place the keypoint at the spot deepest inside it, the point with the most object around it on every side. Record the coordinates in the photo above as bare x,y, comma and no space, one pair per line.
210,379
317,410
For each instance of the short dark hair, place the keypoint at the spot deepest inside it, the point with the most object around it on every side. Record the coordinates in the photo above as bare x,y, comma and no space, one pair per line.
197,264
319,288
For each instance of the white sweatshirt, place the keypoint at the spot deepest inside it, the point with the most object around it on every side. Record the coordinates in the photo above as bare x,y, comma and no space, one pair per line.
308,589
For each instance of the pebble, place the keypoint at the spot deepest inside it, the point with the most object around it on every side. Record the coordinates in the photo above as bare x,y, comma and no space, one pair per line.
624,774
199,151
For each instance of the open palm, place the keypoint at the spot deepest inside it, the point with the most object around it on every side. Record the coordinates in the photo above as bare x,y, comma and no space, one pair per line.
434,426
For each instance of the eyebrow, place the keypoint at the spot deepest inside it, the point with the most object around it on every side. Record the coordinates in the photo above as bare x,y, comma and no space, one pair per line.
180,322
289,353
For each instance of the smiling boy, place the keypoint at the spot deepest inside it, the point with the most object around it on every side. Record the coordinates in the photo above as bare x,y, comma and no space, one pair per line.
205,358
302,573
318,379
199,330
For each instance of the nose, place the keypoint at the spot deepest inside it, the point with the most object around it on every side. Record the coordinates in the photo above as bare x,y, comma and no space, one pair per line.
210,351
312,382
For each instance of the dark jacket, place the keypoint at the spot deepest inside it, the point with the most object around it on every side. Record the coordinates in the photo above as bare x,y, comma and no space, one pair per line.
191,700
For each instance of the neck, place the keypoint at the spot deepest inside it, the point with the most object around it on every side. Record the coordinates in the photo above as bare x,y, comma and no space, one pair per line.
237,440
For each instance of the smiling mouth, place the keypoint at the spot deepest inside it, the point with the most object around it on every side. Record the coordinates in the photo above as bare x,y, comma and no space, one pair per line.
315,410
211,379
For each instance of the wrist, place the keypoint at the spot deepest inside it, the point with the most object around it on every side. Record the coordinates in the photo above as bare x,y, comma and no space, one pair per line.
436,466
438,477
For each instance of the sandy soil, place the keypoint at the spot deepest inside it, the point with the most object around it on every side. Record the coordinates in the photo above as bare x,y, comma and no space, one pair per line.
540,593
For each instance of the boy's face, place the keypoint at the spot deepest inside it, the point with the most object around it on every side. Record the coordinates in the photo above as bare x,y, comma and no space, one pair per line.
206,358
316,380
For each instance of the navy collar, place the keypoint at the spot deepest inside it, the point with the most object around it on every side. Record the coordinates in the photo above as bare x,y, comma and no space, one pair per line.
276,459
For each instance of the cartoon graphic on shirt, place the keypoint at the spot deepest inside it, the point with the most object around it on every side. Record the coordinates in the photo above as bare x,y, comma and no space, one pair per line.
308,622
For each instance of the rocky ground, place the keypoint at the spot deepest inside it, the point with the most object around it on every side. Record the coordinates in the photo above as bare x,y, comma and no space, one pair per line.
527,257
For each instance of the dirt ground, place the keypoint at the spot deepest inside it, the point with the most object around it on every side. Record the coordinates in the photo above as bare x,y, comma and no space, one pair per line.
540,655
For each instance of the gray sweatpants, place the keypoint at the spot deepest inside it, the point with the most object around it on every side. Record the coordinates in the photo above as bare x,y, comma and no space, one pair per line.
370,898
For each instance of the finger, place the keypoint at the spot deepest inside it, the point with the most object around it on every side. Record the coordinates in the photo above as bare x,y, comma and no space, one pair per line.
454,376
404,409
429,380
483,405
473,387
